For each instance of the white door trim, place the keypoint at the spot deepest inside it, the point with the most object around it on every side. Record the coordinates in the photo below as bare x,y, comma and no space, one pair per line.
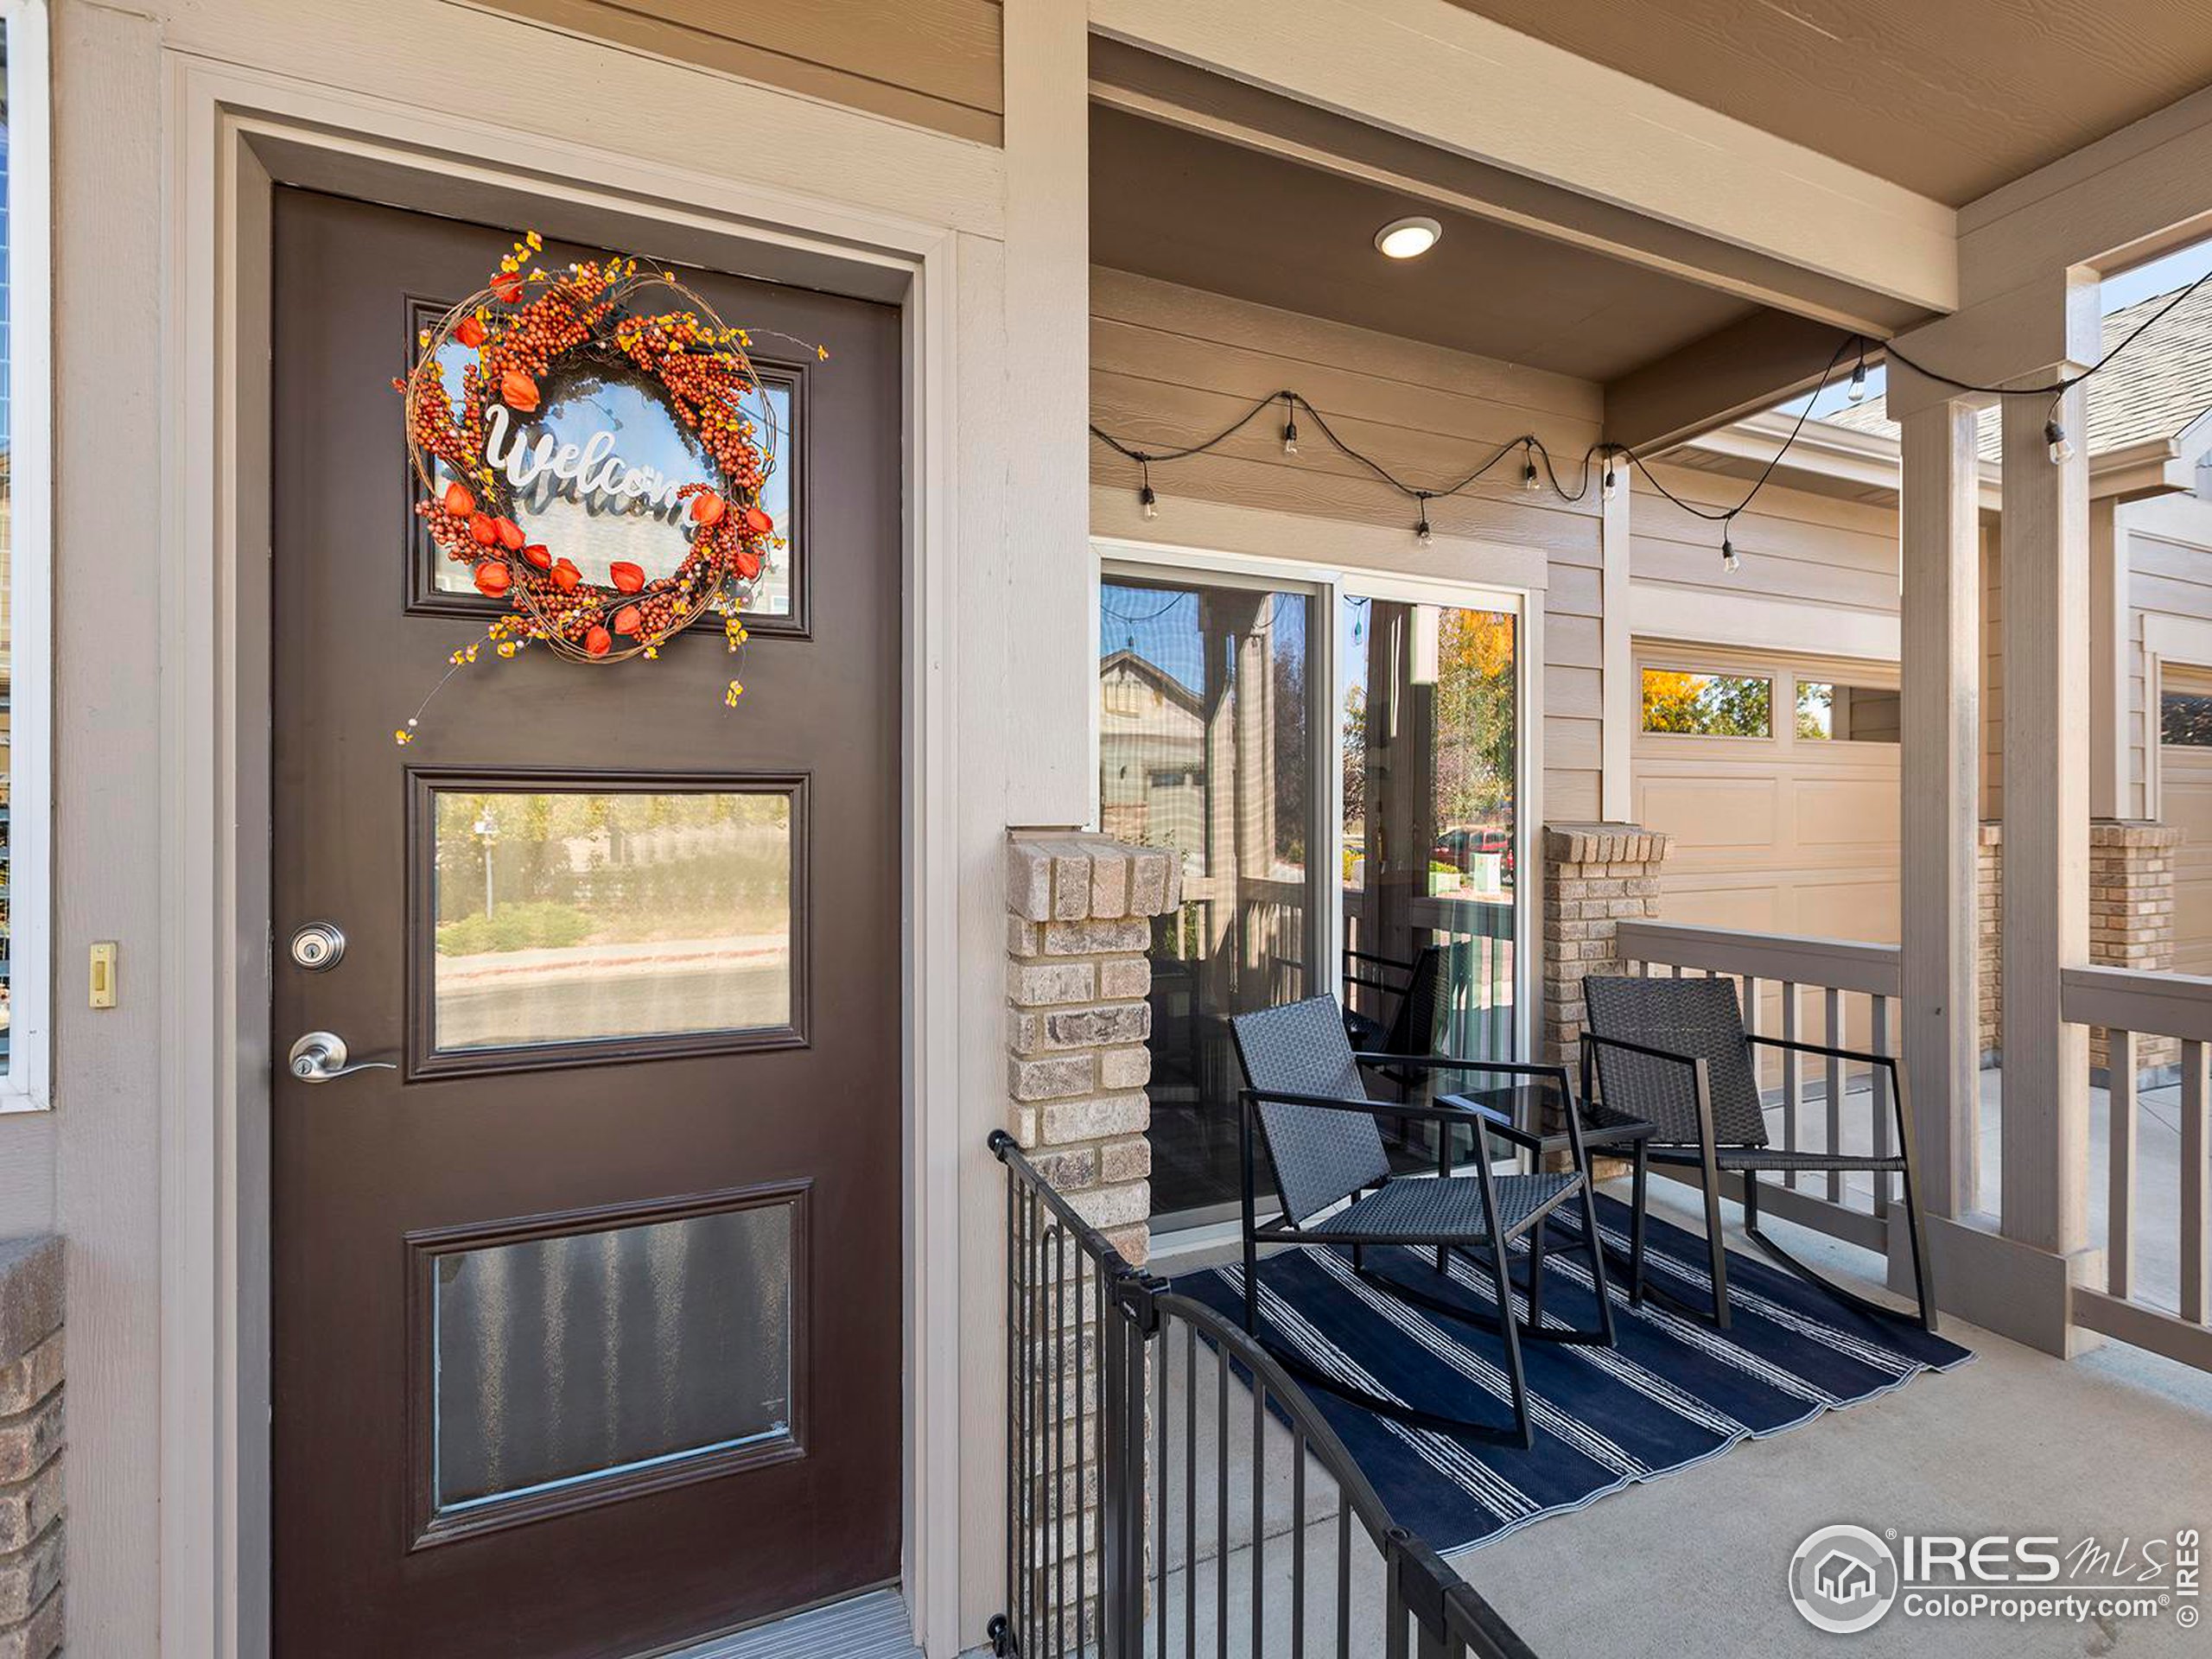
232,134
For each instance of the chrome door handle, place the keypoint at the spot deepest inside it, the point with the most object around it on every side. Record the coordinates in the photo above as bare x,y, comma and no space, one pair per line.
320,1057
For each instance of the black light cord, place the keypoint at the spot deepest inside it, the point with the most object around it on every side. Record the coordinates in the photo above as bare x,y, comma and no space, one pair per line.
1535,449
2059,387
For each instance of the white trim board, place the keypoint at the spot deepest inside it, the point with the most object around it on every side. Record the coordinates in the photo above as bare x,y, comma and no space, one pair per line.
2185,640
1271,542
26,1086
232,134
1660,610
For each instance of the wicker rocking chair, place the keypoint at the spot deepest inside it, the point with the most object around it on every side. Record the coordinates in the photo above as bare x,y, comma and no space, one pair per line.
1675,1053
1307,1100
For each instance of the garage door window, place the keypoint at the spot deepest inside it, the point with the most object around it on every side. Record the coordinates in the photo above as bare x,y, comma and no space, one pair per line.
1827,712
1689,704
2185,719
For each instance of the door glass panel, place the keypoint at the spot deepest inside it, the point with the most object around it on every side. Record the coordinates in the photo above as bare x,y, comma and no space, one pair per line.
616,416
1205,747
588,1355
1427,740
564,917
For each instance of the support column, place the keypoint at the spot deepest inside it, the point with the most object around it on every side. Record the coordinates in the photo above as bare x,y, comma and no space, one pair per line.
2111,789
1620,705
2046,642
1939,827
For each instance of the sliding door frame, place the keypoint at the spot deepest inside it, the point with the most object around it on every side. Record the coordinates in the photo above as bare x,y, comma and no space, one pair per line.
1328,586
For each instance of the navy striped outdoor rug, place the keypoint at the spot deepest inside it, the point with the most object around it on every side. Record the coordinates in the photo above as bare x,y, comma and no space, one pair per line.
1673,1391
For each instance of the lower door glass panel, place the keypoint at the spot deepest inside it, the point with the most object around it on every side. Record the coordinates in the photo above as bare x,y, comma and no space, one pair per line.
583,1359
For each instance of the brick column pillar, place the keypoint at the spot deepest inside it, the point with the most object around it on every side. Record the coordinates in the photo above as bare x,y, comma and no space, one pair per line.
1078,924
1596,876
2132,916
30,1448
2131,922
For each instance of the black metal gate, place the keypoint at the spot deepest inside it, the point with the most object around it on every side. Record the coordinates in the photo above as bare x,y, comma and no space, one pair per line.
1134,1529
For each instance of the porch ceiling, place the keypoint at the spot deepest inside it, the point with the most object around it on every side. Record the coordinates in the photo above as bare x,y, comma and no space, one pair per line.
1951,99
1186,208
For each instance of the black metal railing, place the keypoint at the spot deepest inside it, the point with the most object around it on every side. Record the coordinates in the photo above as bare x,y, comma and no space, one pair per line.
1135,1529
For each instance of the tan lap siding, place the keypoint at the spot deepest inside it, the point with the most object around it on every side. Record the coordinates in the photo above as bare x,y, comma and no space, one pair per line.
1794,544
1172,365
935,63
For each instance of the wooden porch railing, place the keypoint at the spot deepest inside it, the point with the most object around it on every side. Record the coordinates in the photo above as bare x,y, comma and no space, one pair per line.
2130,1003
1801,989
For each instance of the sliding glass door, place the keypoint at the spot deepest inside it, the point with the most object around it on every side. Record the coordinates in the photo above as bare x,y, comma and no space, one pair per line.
1337,765
1429,743
1206,747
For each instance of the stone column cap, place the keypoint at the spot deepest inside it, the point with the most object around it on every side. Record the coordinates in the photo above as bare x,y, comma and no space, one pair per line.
30,1294
1075,875
1604,844
2133,832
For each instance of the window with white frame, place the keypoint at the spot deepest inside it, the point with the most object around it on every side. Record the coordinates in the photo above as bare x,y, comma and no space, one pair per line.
25,571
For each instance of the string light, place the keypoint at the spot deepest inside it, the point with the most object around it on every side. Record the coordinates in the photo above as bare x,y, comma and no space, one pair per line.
2059,446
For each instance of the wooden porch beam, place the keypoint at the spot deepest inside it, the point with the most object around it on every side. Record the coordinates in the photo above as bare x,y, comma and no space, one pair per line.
1749,366
1197,99
1441,73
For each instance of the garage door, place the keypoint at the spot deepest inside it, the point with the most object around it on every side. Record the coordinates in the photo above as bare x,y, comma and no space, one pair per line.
1778,778
2185,802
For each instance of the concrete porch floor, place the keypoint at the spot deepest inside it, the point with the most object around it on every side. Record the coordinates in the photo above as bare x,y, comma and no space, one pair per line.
2115,1444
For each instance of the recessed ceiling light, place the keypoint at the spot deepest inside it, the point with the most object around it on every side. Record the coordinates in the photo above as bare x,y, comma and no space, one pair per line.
1407,238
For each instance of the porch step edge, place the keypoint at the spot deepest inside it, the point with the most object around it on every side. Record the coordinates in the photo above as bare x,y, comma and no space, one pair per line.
871,1627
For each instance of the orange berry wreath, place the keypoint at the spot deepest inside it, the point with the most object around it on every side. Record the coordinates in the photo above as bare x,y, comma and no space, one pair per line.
529,327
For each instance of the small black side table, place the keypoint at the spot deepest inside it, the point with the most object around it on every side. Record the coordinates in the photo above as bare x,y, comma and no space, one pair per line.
1538,1108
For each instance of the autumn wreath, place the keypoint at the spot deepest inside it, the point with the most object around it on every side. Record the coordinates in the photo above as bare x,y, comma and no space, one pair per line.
530,329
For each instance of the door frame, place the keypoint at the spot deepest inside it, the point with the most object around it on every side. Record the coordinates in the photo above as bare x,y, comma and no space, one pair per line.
233,135
1328,582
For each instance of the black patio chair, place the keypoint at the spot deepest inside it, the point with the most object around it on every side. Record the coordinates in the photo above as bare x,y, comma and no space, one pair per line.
1307,1095
1674,1051
1415,988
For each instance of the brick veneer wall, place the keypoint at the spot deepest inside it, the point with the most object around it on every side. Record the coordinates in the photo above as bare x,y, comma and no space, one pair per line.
2131,921
1596,876
30,1448
1079,922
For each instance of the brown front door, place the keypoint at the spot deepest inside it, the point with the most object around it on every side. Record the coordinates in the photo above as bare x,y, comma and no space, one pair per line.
587,1316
